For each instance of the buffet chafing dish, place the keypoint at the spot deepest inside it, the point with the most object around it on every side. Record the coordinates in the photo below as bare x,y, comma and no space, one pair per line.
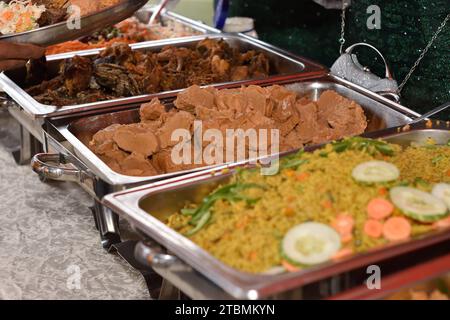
282,63
60,32
148,206
422,276
72,160
31,116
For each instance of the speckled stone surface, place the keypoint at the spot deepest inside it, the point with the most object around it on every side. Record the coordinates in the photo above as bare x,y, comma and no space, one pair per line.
49,247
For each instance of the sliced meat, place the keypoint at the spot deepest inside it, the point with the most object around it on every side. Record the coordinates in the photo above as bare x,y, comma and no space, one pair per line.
152,110
136,139
176,120
345,116
193,97
137,165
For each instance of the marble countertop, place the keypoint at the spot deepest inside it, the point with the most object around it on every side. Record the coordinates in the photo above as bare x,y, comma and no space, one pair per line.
49,247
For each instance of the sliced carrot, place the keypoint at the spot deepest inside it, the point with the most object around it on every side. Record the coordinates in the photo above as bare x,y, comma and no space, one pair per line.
344,252
242,223
289,172
373,228
302,176
289,267
346,238
343,224
396,228
379,208
327,204
289,212
253,255
443,223
448,173
382,191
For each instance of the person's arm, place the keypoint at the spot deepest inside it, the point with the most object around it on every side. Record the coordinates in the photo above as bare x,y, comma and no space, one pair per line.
16,55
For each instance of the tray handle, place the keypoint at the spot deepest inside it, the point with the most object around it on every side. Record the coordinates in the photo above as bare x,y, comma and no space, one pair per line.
53,166
151,256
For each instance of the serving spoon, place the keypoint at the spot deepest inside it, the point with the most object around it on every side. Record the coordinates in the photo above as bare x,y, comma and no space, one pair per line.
430,113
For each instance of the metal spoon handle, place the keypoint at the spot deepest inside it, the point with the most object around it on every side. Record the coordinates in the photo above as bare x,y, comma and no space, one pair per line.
442,107
157,11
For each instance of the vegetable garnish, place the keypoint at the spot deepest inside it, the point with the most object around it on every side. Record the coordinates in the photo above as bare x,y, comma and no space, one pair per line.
231,192
379,208
396,229
19,16
418,205
373,228
368,145
310,243
442,191
375,172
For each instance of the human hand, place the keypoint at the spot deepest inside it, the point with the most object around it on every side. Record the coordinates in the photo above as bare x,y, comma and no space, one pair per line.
13,55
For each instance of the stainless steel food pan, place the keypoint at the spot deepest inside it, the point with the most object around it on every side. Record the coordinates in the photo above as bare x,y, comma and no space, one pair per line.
169,17
60,32
147,208
282,63
75,134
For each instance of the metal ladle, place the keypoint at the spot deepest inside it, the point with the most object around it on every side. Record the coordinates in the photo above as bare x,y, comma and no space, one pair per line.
157,12
425,116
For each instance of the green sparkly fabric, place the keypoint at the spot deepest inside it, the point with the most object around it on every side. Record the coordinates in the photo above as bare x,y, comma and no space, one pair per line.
306,28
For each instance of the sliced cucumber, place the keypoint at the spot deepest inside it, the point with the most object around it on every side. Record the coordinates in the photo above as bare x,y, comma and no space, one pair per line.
442,191
375,171
310,243
418,205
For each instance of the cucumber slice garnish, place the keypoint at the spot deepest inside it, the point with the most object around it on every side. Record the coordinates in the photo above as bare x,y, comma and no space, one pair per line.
375,171
310,243
442,191
418,205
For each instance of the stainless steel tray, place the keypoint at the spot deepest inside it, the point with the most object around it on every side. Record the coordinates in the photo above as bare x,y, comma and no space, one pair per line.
282,63
146,207
59,32
76,133
167,16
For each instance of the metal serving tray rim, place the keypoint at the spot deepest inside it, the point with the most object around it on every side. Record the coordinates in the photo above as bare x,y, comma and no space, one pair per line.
126,203
39,110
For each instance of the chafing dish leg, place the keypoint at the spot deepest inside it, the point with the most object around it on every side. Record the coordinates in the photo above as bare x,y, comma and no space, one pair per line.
108,225
152,279
29,146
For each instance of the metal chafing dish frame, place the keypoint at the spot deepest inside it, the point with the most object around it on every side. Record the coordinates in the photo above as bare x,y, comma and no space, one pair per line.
99,180
289,62
31,126
189,257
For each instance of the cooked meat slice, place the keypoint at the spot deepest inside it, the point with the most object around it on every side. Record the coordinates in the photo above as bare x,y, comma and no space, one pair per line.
77,73
174,121
345,116
232,101
137,165
104,135
136,139
239,73
163,161
220,66
152,110
117,79
193,97
308,125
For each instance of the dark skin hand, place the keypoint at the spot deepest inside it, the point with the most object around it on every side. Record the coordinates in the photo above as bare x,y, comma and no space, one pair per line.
14,55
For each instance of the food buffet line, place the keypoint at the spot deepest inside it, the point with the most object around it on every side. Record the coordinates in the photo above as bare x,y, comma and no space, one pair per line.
102,117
